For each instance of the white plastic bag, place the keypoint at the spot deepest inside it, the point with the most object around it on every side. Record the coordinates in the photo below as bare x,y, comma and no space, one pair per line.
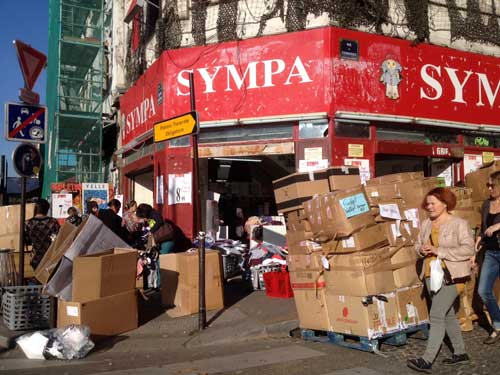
437,275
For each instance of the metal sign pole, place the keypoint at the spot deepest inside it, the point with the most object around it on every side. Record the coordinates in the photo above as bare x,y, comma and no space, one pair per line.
21,230
202,315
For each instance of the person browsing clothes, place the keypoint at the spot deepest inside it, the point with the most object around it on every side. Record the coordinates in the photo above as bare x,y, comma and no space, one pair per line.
490,241
447,238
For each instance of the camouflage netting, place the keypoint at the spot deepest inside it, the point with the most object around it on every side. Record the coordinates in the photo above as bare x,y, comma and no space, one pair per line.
469,20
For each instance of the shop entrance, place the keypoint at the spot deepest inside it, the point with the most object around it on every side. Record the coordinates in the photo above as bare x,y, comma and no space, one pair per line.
246,183
143,187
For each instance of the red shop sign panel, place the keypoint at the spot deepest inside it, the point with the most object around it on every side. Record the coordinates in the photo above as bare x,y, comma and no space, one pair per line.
302,73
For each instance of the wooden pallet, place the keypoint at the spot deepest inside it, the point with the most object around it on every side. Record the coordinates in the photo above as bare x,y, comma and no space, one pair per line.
364,343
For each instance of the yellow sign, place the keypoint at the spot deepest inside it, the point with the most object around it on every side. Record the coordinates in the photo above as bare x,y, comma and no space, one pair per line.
355,151
175,127
488,157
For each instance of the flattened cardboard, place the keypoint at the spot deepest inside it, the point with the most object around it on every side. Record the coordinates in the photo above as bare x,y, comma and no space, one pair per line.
412,192
477,181
180,277
371,237
404,262
55,252
296,221
304,247
293,190
93,236
103,274
108,316
348,315
312,309
395,177
470,215
412,306
361,273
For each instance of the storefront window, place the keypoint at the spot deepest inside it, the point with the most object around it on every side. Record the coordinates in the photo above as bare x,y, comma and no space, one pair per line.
482,140
350,130
246,133
313,129
180,142
408,135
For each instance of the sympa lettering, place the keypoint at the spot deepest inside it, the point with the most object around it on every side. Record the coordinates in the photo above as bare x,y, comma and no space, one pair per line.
431,75
233,78
139,115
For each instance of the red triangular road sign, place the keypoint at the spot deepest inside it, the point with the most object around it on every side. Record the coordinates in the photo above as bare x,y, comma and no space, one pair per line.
31,62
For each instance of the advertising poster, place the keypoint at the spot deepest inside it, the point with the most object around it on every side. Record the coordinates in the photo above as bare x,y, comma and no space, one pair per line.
75,189
95,191
60,205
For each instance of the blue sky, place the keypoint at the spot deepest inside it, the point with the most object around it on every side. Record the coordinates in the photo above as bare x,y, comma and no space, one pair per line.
25,20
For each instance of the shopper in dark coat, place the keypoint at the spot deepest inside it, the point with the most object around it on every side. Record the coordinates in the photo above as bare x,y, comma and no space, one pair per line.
111,219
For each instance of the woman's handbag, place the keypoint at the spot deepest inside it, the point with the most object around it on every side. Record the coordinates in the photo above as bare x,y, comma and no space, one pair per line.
164,233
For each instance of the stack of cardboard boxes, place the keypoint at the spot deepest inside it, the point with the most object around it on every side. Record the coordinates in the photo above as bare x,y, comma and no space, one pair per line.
351,257
9,232
103,284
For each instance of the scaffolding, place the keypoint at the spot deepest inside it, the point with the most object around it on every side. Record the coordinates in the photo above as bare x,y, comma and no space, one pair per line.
74,92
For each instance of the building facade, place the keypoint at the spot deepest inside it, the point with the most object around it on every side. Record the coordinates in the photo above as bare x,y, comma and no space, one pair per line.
285,86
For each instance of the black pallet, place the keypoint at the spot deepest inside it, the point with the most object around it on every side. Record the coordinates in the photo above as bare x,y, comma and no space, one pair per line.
364,343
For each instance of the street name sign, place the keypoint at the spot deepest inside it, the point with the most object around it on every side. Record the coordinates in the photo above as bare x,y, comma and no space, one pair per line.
25,123
176,127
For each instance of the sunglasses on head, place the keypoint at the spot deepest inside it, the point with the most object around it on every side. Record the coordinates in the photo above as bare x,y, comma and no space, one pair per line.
490,185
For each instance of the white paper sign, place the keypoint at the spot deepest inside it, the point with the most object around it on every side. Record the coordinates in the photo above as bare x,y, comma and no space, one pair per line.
180,188
348,243
312,165
390,211
363,165
60,205
313,153
472,162
412,215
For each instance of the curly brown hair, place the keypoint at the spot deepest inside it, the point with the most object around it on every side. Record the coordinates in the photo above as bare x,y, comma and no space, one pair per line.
444,195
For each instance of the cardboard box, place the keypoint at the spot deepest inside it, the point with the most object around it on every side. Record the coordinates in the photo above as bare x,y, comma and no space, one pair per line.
477,181
412,306
294,237
10,217
304,247
103,274
296,221
312,309
367,238
308,262
338,214
395,178
404,265
372,319
361,274
293,190
397,232
10,241
180,277
412,192
342,178
108,316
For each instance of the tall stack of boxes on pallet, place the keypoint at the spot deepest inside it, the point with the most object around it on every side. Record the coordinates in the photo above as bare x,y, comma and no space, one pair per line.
351,257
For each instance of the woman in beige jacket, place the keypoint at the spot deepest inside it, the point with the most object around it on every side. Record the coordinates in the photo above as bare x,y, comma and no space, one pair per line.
449,238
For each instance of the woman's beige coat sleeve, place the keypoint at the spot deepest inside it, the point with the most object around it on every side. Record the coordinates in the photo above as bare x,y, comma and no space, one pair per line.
460,246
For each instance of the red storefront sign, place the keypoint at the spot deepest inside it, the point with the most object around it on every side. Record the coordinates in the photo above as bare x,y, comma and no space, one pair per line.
302,73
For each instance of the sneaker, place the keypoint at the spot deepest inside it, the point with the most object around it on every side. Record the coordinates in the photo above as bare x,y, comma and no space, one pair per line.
456,359
492,338
420,365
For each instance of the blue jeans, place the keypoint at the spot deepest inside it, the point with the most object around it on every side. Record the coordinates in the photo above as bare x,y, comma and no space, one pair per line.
489,275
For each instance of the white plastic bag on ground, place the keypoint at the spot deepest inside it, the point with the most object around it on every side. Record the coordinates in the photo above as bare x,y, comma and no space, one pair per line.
71,342
437,275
